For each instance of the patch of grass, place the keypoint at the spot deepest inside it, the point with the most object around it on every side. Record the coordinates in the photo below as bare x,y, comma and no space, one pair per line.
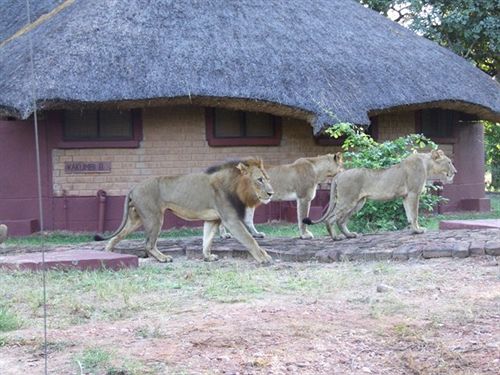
129,367
148,332
432,221
386,305
405,332
8,320
49,238
93,360
100,361
232,285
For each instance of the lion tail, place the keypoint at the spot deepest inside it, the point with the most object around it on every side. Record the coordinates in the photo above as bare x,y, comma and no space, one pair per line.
329,210
126,208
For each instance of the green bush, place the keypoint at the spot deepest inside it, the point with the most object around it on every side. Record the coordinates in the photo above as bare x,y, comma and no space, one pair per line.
8,320
362,151
492,153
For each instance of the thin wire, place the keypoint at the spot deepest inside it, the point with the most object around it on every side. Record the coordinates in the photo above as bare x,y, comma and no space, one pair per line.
39,182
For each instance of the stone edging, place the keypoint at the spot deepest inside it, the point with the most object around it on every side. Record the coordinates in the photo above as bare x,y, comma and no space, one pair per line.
400,245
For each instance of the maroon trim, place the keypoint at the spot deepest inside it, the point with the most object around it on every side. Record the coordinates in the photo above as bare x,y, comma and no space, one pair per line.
441,140
213,141
56,118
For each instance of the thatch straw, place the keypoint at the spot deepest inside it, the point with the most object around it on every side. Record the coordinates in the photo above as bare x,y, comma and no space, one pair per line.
293,57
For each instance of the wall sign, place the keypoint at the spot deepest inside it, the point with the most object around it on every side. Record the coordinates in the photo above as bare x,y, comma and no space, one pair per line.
87,167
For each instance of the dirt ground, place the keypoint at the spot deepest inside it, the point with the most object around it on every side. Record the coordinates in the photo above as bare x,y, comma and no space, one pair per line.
446,320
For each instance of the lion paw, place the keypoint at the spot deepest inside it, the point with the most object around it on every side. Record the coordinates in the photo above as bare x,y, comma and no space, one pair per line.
258,235
226,236
164,259
307,236
351,234
419,230
211,258
266,259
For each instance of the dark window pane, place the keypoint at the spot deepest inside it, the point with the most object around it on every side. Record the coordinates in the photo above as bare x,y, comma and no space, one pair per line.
115,124
97,125
437,123
227,123
259,125
80,124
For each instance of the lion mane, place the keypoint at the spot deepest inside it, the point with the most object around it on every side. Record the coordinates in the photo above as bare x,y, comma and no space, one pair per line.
297,181
351,188
220,194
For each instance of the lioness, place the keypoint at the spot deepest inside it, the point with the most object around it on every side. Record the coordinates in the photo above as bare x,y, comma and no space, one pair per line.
220,194
298,181
351,189
3,232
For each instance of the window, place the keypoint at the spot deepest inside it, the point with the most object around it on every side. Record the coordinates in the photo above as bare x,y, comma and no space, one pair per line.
323,139
92,128
437,124
226,127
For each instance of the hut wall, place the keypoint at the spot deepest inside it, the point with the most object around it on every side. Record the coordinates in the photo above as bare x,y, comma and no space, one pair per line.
173,143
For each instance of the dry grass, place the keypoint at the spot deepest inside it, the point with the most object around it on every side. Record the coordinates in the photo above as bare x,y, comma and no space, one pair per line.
435,316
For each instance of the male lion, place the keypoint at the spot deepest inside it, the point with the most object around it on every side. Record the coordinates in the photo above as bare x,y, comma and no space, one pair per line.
351,189
298,181
220,194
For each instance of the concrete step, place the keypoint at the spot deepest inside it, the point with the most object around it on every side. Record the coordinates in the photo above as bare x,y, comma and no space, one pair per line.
469,224
69,259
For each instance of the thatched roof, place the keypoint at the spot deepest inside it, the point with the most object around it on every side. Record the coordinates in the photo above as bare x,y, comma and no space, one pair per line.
296,57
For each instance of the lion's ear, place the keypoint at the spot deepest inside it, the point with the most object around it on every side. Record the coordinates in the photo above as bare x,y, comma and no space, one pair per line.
338,157
436,154
242,168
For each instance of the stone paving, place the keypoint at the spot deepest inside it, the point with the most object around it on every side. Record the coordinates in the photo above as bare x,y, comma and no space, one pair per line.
398,245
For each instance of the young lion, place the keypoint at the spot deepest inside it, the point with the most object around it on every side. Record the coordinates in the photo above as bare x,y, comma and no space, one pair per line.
220,194
351,189
298,181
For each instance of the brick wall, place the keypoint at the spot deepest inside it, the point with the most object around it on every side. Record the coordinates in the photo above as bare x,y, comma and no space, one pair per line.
395,125
173,143
399,124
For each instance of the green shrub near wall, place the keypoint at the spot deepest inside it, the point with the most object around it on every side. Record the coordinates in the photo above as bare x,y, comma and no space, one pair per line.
362,151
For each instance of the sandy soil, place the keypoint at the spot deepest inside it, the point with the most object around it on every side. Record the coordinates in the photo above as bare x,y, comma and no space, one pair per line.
342,333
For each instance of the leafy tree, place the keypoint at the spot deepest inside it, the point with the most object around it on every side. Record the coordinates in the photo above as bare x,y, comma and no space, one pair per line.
492,151
470,28
361,150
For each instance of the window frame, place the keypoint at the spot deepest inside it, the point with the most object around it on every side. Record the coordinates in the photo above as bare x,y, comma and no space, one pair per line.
419,126
214,141
57,118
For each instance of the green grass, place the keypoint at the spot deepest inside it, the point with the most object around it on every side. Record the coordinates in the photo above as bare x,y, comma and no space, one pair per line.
93,360
432,221
8,320
65,238
84,297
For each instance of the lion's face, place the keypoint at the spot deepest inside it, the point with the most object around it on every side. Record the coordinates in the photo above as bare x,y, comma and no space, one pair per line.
257,182
335,164
442,167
